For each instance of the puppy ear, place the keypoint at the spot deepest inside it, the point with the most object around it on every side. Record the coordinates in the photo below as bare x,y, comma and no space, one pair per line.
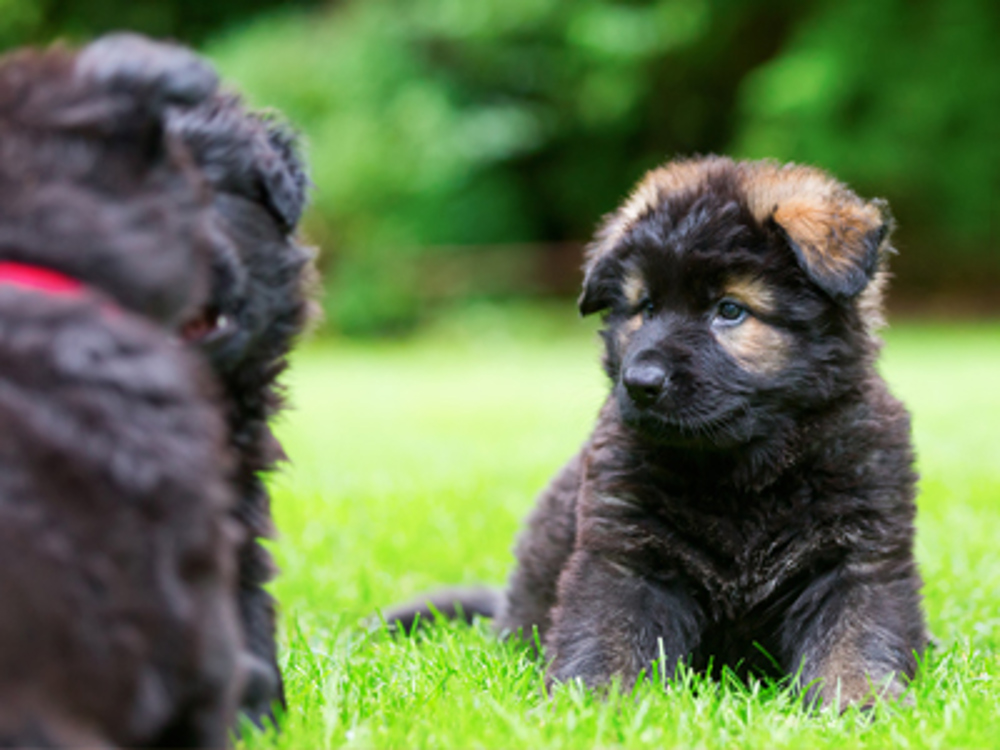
601,281
282,174
254,155
838,241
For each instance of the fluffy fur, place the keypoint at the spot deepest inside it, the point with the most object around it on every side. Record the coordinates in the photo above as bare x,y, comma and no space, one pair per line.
259,303
117,553
747,496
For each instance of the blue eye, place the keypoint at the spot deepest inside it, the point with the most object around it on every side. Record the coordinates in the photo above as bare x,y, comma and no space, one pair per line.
646,306
731,313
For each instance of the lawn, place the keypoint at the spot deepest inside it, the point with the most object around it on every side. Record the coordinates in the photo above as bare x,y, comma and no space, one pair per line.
413,465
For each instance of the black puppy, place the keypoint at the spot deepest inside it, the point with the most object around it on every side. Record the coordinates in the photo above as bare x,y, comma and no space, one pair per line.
259,301
117,552
746,498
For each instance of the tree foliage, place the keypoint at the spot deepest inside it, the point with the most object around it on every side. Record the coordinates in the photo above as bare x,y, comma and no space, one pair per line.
436,127
900,99
442,123
41,21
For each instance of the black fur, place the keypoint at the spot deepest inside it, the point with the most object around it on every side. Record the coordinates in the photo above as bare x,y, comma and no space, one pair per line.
258,301
259,304
746,498
457,603
117,553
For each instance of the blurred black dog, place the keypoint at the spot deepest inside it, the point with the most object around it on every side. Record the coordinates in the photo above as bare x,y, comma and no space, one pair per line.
119,623
259,301
746,498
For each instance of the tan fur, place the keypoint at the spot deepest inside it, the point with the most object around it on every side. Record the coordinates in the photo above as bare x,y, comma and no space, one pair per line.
768,185
753,292
870,302
845,679
633,288
756,346
823,217
830,236
630,326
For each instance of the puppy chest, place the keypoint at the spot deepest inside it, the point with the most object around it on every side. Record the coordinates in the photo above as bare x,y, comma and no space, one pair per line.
731,564
737,575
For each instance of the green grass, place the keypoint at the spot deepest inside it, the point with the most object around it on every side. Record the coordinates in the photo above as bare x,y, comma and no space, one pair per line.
414,464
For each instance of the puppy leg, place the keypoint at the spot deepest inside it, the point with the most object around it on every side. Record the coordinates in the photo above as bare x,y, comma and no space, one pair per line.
611,622
542,551
198,725
853,637
263,686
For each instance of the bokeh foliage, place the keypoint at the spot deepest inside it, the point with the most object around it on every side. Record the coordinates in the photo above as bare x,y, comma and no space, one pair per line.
443,123
41,21
901,99
447,129
447,123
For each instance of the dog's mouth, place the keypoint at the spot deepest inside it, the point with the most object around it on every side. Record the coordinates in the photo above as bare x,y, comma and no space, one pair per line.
716,430
207,325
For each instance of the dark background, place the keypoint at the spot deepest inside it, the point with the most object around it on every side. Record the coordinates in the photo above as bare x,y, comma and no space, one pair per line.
465,149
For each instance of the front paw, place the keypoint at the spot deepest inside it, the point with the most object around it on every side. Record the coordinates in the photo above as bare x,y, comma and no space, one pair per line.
261,690
840,691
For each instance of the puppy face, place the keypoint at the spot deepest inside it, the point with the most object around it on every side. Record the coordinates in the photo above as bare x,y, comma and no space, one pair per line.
737,296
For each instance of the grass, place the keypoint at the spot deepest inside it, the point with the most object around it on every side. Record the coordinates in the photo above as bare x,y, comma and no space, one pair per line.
414,464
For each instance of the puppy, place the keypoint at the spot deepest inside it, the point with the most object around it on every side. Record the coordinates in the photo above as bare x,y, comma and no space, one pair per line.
117,553
260,300
747,496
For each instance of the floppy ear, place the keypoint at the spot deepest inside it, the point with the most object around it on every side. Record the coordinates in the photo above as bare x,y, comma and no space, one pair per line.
602,269
601,281
839,241
282,172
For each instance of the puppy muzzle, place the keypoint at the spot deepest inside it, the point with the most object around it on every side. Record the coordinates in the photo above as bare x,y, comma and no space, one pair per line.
645,381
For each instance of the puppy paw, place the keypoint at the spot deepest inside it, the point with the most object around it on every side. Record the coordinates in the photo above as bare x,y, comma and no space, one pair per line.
261,690
860,691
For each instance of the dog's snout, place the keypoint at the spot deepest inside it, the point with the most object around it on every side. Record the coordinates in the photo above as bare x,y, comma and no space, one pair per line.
644,382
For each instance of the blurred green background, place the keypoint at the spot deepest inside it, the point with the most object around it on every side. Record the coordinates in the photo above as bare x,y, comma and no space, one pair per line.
463,150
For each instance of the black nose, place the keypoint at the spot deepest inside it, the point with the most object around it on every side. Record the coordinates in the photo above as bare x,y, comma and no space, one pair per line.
644,382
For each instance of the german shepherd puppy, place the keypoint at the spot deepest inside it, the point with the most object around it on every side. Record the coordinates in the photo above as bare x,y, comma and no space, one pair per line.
747,496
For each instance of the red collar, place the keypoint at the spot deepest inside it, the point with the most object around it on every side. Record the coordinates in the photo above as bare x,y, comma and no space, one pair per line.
27,276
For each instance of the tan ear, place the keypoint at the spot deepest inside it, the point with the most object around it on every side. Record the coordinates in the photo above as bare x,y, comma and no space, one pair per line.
838,239
838,243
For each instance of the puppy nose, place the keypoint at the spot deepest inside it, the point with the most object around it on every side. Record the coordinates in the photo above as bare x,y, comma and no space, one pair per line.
644,382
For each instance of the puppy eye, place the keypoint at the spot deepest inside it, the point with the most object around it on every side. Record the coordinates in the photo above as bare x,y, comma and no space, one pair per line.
731,313
646,306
